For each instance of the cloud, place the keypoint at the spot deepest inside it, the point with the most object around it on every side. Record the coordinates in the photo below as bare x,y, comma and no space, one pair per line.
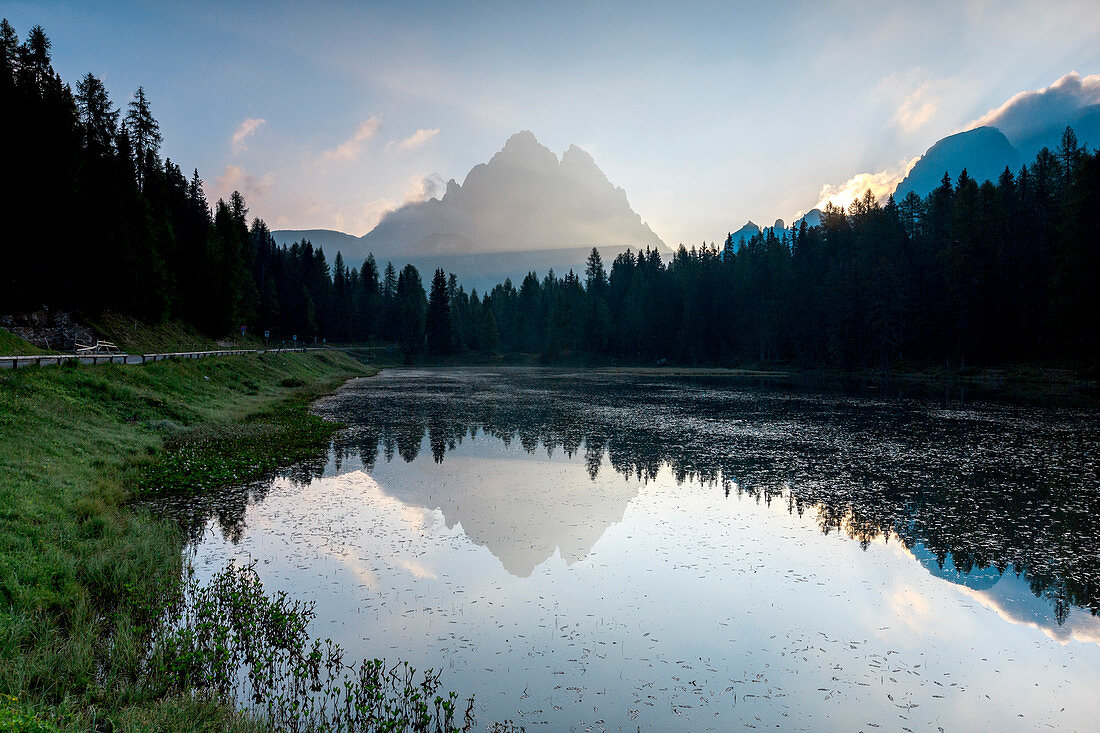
916,101
361,218
243,131
414,140
913,609
423,187
350,149
235,178
916,108
1032,111
881,183
353,214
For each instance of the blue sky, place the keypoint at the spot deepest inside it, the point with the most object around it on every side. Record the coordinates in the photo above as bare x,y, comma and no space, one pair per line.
327,115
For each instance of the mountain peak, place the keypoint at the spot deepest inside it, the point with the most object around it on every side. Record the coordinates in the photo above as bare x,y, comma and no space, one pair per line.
578,157
523,199
811,217
524,139
523,150
983,152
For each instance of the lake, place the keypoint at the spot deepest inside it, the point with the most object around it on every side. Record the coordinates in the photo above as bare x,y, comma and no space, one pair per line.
587,550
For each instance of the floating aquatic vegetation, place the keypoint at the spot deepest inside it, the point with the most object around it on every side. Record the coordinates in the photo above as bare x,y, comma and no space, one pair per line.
609,552
981,485
230,639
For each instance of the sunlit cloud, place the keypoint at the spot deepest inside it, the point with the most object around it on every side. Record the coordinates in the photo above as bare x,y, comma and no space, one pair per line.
1032,110
236,178
916,108
351,148
422,187
912,608
916,101
1080,627
416,569
881,184
1011,601
244,130
414,140
351,561
355,217
358,219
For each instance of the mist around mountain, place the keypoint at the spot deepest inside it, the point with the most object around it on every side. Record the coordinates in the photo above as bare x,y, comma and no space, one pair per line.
984,152
330,240
1012,134
1085,123
523,210
1009,136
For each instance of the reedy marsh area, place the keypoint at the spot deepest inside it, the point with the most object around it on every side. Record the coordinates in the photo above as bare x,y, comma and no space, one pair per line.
85,578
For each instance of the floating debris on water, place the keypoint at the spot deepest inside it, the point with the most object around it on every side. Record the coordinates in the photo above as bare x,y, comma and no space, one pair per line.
618,551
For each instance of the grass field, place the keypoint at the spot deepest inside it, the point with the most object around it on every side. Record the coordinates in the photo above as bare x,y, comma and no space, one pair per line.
138,337
10,344
82,576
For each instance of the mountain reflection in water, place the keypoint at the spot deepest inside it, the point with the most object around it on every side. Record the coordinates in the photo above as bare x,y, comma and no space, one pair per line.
603,551
989,496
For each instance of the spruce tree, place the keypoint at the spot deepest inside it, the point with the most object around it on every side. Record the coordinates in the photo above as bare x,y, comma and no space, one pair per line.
97,114
440,330
410,305
144,132
34,58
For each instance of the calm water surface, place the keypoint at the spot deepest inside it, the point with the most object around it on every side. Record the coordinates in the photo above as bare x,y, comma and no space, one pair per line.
595,551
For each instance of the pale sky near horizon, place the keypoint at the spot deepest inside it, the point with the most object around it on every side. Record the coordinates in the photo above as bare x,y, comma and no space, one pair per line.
326,115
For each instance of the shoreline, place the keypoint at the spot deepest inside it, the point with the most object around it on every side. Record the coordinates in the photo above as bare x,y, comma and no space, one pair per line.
1016,382
84,569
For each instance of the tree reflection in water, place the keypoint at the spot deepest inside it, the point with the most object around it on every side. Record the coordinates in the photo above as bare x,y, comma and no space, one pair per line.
971,490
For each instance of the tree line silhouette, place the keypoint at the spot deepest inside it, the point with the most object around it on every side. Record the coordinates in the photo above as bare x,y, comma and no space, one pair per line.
972,272
989,272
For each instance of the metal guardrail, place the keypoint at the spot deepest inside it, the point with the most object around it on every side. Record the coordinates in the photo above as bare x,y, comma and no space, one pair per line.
20,362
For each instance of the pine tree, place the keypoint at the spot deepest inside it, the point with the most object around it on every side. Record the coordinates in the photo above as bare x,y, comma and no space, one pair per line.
144,132
97,114
196,198
390,327
1069,155
595,277
9,56
440,330
340,329
367,312
456,296
410,305
34,58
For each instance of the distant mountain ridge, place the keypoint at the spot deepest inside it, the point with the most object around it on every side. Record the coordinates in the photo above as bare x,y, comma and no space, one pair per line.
522,210
986,151
524,198
779,228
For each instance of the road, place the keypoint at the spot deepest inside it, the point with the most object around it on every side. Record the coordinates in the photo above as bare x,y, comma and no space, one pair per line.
20,362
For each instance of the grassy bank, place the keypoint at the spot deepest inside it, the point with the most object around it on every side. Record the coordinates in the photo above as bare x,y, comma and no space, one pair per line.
10,344
139,337
82,575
